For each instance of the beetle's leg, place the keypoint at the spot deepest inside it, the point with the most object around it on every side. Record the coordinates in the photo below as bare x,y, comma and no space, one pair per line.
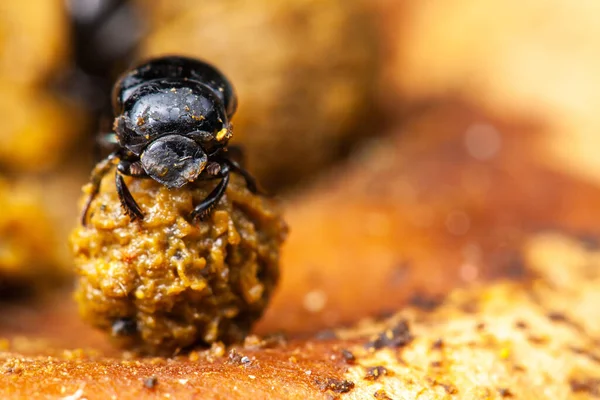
130,168
98,173
250,181
235,152
204,208
131,208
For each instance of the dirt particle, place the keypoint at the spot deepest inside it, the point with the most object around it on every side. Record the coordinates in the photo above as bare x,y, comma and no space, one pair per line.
538,340
438,344
519,368
150,383
395,337
12,367
508,264
436,364
348,356
425,302
586,385
246,360
381,395
235,358
375,373
556,316
521,324
334,385
504,392
586,353
449,388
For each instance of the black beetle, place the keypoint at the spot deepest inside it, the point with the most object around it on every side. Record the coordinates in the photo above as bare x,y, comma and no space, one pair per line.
172,125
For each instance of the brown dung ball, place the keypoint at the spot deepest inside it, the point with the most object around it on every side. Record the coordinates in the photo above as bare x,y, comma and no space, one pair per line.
166,283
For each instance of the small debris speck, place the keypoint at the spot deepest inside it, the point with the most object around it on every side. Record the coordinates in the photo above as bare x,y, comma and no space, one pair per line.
521,324
375,373
335,385
348,356
541,340
590,386
449,388
150,383
425,302
235,357
556,316
504,392
395,337
381,395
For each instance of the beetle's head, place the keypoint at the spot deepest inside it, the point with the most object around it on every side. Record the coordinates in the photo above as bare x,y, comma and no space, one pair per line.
174,160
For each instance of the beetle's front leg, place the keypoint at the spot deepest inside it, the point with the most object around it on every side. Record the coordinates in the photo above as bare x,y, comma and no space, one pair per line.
130,206
250,181
206,206
130,168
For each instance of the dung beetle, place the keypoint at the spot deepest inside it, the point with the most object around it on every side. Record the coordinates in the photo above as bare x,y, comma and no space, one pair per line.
172,124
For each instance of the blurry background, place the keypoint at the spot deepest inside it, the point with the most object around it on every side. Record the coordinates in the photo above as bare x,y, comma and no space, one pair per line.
329,93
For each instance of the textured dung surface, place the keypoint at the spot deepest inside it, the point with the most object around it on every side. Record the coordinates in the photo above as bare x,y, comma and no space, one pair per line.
505,340
165,283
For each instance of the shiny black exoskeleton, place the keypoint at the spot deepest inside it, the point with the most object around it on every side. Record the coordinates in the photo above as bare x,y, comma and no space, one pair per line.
172,124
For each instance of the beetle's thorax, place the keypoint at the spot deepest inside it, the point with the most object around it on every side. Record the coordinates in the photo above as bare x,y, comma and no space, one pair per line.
170,106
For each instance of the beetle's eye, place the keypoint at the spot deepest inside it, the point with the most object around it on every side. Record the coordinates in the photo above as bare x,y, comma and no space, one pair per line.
174,160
